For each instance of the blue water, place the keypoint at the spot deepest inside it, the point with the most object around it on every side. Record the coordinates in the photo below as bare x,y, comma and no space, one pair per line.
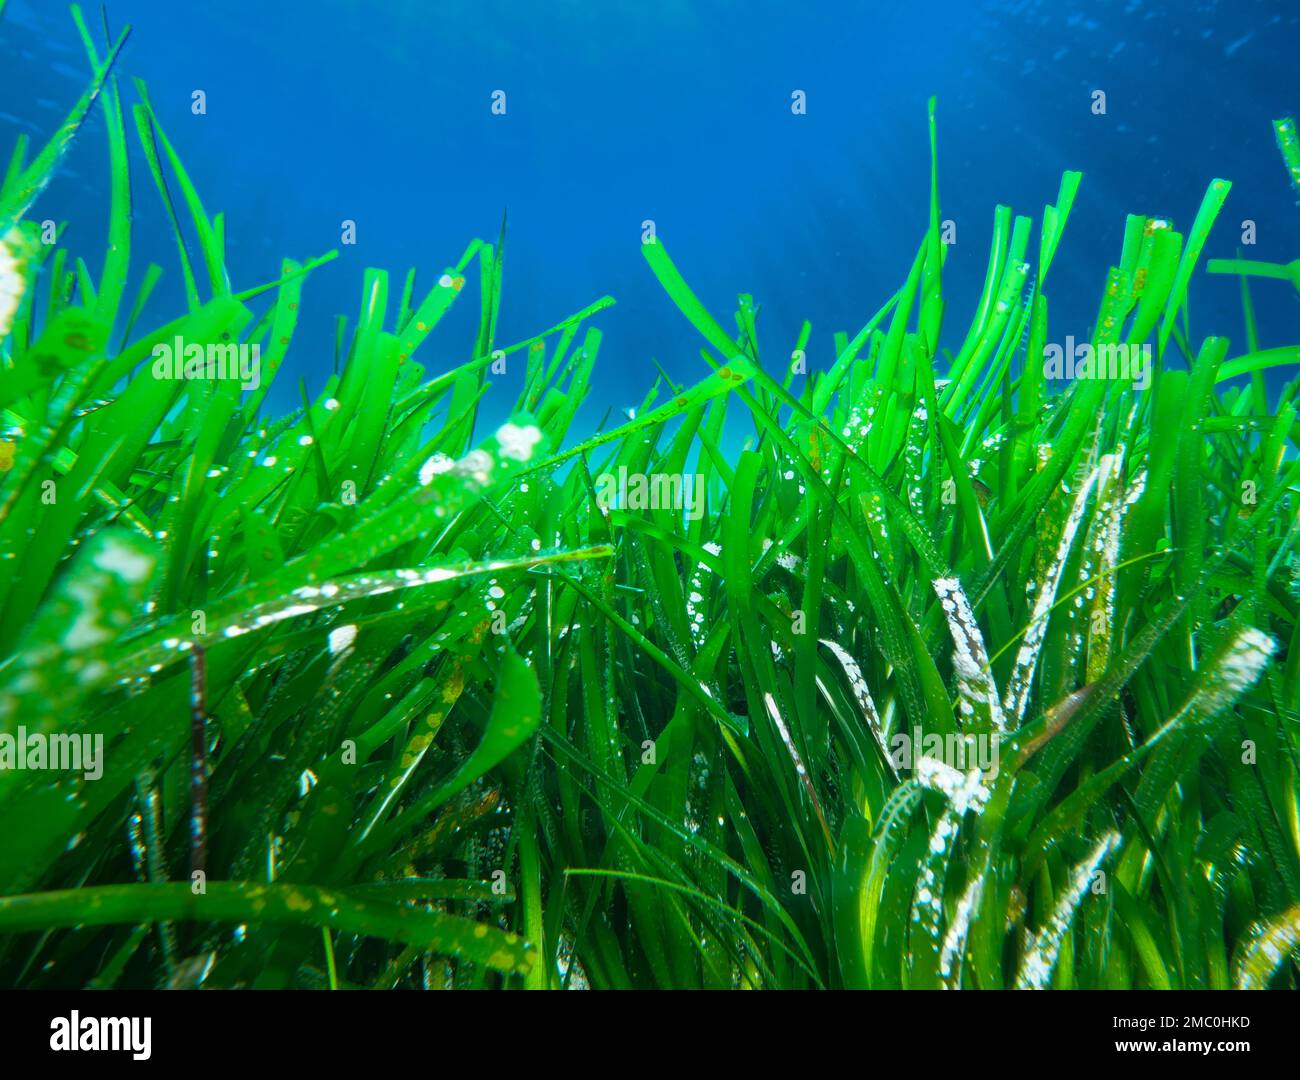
324,110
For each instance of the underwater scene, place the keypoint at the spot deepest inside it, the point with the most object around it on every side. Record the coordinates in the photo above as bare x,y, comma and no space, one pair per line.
678,495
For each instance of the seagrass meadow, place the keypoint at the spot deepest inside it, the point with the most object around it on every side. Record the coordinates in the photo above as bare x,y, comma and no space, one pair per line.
387,697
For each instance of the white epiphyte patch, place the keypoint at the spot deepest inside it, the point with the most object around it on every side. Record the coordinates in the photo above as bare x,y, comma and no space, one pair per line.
861,694
801,770
1243,664
964,791
87,629
784,732
1101,557
435,466
341,638
927,899
477,466
695,596
517,441
99,595
785,559
1236,670
1017,695
954,941
309,598
13,278
1268,945
975,688
1045,946
117,558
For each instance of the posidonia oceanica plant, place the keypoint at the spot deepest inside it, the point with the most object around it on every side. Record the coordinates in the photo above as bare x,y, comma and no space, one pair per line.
954,675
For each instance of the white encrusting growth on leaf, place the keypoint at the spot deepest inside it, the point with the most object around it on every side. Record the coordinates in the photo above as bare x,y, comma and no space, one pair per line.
861,694
954,941
435,466
927,897
1238,669
342,637
123,562
800,768
1268,945
1101,557
517,441
309,598
785,559
975,687
965,791
1222,681
695,595
775,714
13,279
1017,695
1045,947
